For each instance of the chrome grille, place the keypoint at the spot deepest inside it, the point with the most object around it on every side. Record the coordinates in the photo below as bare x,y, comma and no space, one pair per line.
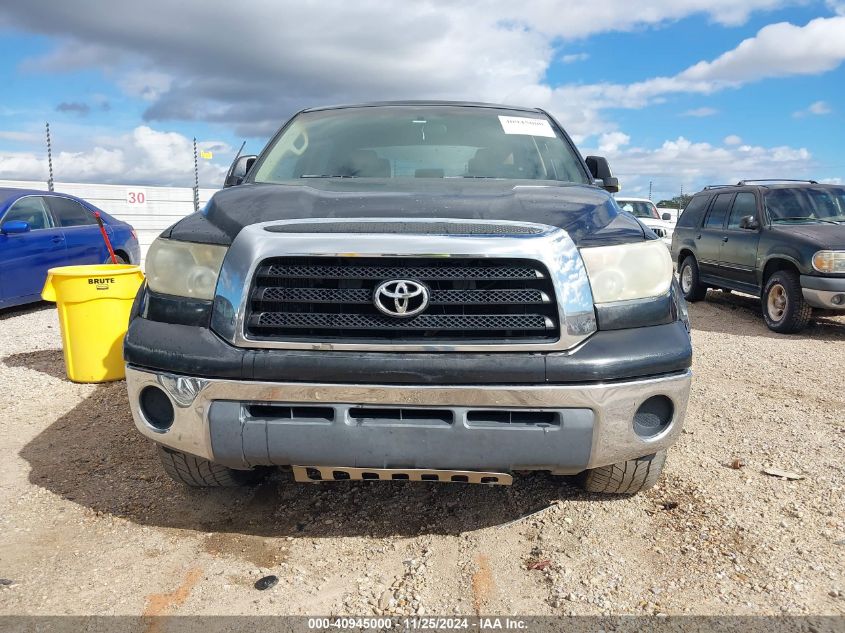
330,299
410,227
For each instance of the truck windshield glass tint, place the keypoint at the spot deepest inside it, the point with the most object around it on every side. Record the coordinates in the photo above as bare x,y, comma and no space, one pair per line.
420,142
806,204
640,209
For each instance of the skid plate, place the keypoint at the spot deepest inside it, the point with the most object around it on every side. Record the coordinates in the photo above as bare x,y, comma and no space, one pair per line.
317,474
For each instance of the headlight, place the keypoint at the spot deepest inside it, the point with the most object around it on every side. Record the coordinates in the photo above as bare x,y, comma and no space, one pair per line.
184,268
628,271
829,261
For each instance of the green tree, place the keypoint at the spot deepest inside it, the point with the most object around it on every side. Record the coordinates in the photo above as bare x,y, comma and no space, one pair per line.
678,202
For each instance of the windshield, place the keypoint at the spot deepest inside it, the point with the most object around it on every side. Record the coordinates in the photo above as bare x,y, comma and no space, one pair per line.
420,142
806,204
640,209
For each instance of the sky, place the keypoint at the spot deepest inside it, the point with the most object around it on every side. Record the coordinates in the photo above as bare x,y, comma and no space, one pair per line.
677,94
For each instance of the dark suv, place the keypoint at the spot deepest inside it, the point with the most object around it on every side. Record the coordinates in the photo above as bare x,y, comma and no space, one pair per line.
783,241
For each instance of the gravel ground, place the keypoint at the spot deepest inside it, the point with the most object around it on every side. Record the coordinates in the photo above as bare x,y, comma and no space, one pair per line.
91,524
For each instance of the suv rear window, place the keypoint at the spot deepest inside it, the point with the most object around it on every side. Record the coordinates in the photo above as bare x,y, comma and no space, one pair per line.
695,209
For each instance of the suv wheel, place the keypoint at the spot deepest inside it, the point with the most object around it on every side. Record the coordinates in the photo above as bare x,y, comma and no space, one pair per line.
201,473
784,308
690,285
624,478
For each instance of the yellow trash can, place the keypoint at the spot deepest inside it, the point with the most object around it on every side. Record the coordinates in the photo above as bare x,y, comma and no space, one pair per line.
93,304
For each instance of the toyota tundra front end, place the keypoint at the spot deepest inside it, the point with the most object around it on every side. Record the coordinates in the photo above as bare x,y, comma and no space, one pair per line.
418,291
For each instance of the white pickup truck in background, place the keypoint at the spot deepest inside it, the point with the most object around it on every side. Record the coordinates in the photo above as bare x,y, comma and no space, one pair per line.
645,211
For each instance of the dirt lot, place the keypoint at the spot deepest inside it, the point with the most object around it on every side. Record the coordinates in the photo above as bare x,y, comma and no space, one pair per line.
91,525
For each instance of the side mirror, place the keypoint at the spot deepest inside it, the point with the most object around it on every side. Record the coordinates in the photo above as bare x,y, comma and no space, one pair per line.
749,222
600,171
238,171
15,226
667,217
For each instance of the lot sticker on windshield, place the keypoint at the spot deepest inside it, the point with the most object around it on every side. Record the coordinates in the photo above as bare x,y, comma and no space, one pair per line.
524,125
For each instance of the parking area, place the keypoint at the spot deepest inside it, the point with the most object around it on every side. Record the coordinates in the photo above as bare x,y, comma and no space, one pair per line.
93,525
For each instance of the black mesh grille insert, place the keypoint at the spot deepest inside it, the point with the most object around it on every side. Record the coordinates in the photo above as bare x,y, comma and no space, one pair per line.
330,299
288,412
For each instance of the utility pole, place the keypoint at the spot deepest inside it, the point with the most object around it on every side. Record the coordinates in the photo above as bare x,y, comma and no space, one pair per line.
650,183
681,199
49,160
196,179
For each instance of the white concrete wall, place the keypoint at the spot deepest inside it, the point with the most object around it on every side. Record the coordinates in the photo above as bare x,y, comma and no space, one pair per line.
161,206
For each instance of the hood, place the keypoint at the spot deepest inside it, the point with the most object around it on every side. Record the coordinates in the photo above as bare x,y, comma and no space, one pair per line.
587,213
822,235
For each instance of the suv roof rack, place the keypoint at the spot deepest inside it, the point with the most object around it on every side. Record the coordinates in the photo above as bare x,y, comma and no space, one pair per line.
718,186
742,183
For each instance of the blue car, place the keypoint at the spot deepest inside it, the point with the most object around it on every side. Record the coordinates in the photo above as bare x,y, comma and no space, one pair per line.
40,230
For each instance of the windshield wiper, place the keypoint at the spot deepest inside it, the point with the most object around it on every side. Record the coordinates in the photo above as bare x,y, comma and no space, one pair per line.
805,219
327,176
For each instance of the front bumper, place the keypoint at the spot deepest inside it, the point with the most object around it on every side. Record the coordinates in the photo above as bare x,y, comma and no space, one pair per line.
827,293
224,421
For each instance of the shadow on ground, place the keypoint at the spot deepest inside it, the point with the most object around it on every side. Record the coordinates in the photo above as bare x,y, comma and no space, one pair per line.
47,361
741,314
93,456
8,313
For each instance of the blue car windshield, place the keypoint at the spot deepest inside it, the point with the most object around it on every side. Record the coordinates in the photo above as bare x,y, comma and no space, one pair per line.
420,142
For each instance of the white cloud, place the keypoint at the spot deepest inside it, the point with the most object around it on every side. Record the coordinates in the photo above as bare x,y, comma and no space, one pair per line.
253,68
612,141
148,85
19,137
250,69
820,107
144,156
817,108
732,139
692,165
837,6
574,57
701,112
776,51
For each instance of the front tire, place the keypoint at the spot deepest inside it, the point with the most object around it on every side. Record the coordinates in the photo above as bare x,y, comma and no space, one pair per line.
690,281
625,478
784,308
201,473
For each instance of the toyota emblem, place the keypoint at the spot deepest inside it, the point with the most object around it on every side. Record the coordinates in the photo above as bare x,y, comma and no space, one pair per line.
401,298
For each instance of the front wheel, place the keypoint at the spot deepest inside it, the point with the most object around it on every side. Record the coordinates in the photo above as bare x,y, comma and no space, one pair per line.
784,308
690,282
625,478
201,473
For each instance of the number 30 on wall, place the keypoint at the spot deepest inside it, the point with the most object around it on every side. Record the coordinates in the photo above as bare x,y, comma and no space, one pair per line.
136,197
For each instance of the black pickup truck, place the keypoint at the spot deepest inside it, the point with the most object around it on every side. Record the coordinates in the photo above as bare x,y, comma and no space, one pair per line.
420,291
782,241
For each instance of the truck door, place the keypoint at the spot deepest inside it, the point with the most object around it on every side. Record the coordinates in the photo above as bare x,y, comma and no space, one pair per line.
26,257
710,236
739,249
79,226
